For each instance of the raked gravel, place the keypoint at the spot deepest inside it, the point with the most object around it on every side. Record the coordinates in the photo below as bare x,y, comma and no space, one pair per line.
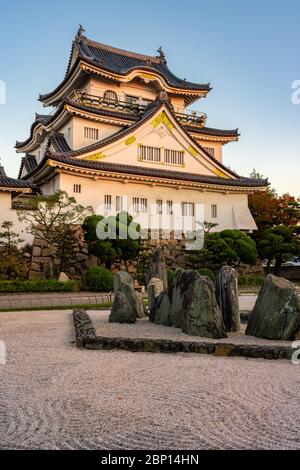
54,396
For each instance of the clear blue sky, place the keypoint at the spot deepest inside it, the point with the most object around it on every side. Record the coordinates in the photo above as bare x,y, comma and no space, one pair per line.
248,50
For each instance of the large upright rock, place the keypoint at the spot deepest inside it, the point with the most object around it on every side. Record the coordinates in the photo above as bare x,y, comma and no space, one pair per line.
201,313
126,307
189,304
161,308
276,314
228,297
157,268
184,279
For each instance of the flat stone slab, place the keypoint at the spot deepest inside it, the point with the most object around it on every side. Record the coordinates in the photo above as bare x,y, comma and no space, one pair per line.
148,337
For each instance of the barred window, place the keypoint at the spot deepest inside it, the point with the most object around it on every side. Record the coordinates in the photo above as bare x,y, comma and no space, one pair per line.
174,157
159,206
119,203
214,211
188,209
91,133
107,202
210,150
110,95
77,188
140,205
170,207
150,154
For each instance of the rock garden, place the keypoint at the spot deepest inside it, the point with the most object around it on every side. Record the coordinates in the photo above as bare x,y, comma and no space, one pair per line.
192,314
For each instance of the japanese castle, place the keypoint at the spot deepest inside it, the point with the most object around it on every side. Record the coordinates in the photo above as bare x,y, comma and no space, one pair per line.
119,129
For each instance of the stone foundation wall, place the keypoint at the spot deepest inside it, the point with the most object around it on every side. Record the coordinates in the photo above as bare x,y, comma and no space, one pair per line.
174,251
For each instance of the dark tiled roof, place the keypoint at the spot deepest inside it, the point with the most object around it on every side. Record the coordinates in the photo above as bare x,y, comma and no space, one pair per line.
59,143
7,182
123,62
29,162
39,119
213,132
158,173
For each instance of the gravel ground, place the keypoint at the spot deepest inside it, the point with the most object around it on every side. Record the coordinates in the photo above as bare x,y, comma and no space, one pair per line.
145,329
54,396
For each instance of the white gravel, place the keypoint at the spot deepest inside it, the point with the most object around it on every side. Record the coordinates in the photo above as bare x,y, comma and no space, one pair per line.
54,396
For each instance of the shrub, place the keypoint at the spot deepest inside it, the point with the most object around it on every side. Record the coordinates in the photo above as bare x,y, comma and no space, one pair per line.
38,286
99,279
171,277
252,280
208,273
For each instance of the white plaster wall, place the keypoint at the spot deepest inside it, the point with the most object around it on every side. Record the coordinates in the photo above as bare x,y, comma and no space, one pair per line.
78,125
93,192
217,146
7,213
51,187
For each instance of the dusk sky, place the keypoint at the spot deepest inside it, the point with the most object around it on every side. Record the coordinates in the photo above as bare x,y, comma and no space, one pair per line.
249,51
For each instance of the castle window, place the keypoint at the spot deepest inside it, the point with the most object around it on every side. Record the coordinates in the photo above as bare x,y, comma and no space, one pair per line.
210,151
77,188
214,211
91,133
149,154
69,133
107,202
110,95
188,209
174,157
159,206
119,203
139,205
170,207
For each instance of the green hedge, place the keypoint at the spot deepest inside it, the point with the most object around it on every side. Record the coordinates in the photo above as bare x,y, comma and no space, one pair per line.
51,285
208,273
99,279
251,280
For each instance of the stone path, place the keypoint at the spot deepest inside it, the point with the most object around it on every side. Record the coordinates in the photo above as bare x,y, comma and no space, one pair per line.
52,299
55,396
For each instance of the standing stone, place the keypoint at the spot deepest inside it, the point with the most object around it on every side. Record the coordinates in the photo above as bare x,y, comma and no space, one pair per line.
183,279
228,297
161,308
157,268
155,288
122,310
125,308
141,307
276,314
201,315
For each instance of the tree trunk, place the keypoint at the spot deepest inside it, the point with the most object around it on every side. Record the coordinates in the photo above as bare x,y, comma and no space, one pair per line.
269,265
278,264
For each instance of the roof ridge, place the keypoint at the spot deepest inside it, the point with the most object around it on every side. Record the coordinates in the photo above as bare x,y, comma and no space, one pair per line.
117,50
